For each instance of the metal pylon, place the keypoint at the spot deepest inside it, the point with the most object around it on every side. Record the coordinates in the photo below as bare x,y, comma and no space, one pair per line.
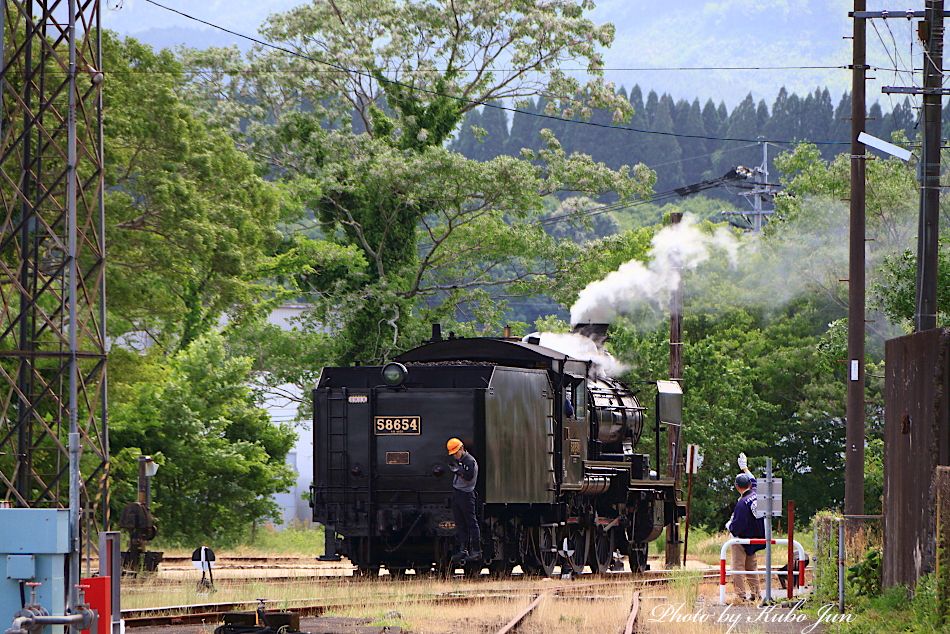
52,248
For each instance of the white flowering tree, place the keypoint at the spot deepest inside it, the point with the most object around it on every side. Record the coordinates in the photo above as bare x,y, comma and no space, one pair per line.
354,110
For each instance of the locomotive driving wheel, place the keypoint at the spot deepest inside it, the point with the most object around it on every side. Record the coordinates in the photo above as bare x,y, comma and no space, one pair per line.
547,550
576,544
603,551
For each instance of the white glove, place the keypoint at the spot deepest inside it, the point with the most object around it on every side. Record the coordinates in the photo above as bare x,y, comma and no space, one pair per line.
729,526
743,462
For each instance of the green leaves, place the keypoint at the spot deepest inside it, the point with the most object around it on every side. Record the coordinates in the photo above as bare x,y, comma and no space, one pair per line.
221,457
190,223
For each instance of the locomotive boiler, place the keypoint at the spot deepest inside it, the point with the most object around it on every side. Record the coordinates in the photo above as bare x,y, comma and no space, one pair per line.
554,489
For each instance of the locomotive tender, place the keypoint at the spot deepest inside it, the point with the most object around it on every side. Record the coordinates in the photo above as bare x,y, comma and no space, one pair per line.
552,489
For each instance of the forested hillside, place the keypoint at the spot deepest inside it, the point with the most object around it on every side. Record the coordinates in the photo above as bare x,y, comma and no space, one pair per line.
489,132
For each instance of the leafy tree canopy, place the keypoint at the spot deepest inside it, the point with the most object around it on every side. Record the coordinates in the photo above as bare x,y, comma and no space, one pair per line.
356,123
190,221
221,457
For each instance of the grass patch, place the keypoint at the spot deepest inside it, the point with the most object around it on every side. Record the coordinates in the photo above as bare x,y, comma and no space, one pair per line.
294,540
895,610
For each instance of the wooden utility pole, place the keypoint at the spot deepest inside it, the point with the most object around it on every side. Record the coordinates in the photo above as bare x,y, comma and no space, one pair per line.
854,433
673,432
931,33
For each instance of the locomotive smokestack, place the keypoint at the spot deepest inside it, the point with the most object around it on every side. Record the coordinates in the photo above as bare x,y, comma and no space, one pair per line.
436,332
595,332
506,333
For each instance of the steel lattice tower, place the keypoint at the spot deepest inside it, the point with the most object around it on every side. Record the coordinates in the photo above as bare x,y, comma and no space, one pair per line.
52,248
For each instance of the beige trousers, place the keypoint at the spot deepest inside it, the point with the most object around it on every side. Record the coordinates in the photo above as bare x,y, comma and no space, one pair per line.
742,561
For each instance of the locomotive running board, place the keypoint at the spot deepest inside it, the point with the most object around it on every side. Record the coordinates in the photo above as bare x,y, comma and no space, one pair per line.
661,483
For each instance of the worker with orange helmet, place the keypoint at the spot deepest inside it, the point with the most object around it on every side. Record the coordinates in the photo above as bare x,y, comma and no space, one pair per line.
467,533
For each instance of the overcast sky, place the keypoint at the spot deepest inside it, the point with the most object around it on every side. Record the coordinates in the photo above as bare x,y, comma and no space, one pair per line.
649,34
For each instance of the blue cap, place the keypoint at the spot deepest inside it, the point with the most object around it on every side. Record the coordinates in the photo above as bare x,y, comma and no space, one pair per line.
743,480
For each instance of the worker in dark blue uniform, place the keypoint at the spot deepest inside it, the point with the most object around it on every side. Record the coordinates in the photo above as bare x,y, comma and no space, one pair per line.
467,533
746,523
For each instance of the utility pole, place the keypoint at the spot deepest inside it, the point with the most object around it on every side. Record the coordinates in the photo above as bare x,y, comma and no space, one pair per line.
761,192
763,178
674,432
931,33
854,433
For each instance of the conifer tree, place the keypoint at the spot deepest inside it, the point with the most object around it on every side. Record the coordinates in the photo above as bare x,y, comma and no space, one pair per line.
466,143
524,130
712,123
694,151
841,125
743,123
663,149
495,124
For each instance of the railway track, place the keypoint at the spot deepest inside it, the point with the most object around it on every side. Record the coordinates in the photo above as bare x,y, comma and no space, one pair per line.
214,612
630,625
519,618
148,584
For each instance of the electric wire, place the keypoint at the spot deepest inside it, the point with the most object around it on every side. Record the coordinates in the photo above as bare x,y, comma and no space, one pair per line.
466,100
897,52
420,71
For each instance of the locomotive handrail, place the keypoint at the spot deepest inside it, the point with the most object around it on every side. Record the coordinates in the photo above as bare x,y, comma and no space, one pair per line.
757,542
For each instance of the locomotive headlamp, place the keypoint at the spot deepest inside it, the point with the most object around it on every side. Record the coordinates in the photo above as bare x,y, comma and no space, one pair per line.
394,374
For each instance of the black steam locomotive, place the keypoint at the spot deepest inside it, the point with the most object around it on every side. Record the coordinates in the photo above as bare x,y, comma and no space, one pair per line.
553,489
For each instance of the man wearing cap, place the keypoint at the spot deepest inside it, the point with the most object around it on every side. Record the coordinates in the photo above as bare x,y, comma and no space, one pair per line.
467,533
745,524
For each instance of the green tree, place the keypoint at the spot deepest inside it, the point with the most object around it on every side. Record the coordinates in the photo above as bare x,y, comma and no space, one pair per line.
495,123
394,191
192,236
892,208
470,134
743,123
663,149
190,222
221,457
695,151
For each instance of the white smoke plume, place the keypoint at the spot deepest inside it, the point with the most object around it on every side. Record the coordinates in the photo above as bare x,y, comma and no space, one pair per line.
581,348
675,249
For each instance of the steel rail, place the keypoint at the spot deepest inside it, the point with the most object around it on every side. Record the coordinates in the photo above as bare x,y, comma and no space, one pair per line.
631,625
519,618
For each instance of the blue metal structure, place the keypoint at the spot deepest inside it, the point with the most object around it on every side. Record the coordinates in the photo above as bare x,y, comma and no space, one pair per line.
33,548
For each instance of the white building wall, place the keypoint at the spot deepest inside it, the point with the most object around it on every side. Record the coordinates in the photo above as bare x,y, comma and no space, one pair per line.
282,407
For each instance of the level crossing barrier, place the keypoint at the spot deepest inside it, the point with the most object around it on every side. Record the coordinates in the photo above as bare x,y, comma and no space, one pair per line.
757,542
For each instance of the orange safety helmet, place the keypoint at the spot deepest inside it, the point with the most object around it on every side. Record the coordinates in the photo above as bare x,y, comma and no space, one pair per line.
453,445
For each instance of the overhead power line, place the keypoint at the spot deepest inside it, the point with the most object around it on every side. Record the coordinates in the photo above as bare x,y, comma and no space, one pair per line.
493,69
465,100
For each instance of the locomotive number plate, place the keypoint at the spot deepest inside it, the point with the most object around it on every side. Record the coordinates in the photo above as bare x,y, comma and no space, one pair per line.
397,426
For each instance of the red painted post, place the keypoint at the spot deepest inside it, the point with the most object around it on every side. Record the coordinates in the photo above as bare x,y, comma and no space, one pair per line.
99,598
722,572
